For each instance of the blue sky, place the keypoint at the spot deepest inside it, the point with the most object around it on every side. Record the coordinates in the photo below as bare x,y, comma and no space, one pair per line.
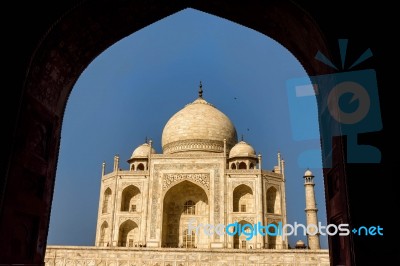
130,91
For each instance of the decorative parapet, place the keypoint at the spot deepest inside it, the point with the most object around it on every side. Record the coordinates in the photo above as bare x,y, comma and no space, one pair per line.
93,256
138,174
244,171
271,174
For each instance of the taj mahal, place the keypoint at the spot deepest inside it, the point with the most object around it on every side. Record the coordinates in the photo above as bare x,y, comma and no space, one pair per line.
203,176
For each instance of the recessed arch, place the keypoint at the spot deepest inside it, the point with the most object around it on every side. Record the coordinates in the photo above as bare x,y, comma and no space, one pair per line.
243,199
242,165
104,235
240,241
272,235
140,167
128,234
106,200
273,200
130,198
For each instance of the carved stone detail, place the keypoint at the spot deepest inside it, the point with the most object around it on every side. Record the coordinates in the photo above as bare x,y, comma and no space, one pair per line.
127,184
133,219
104,220
48,262
185,166
201,178
166,256
216,200
154,206
271,174
194,144
239,218
243,171
272,185
273,220
238,183
187,155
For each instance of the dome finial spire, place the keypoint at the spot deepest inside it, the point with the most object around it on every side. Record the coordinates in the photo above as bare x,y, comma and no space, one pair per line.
201,90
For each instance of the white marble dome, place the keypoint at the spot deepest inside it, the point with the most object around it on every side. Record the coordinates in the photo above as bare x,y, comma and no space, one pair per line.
198,127
308,173
242,149
143,151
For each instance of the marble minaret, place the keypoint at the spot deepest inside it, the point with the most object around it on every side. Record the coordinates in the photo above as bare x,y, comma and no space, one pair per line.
311,211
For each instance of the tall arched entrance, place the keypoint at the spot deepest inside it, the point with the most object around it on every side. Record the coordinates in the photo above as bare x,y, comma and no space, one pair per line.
185,206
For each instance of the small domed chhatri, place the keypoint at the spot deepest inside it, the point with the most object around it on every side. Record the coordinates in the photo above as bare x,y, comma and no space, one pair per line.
242,149
140,157
198,127
143,151
308,173
242,156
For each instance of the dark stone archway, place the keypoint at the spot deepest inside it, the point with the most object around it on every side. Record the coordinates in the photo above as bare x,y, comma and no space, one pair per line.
60,39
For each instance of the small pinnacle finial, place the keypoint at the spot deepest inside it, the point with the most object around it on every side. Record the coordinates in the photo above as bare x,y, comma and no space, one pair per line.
242,137
201,90
146,140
